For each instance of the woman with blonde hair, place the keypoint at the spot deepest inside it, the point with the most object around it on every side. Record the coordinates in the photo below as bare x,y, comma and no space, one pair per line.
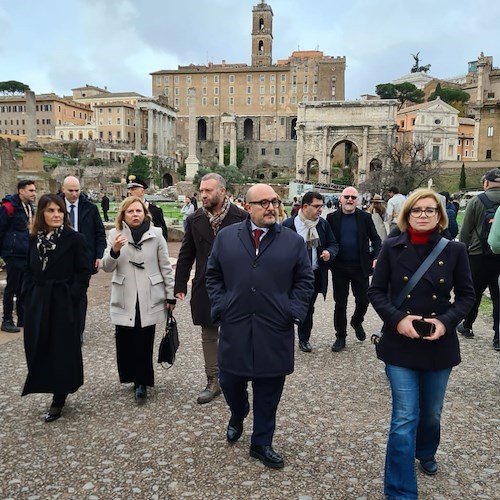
141,291
419,345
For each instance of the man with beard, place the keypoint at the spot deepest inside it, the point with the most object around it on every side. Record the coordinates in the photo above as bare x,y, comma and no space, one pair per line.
215,213
359,246
260,281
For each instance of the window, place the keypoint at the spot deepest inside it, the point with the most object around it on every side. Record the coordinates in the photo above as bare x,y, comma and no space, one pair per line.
272,78
262,78
110,110
231,90
413,121
261,89
188,79
176,102
216,78
459,142
263,151
100,111
249,100
167,78
283,78
204,79
490,132
282,121
305,88
315,89
110,122
277,151
293,100
271,100
249,90
283,89
272,89
282,99
488,154
231,78
249,78
176,90
167,91
216,101
176,79
466,152
203,101
261,100
101,121
231,101
204,90
118,121
466,142
216,90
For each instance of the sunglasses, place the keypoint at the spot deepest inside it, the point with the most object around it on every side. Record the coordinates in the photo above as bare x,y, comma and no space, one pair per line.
350,197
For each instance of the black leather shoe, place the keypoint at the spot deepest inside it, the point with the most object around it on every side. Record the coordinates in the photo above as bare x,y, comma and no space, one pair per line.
267,456
360,332
141,393
429,466
339,344
234,431
305,346
52,415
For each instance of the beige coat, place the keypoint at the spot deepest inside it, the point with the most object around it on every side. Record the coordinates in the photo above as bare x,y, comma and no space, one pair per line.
151,286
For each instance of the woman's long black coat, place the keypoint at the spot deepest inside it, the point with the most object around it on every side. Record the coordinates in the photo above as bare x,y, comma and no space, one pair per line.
51,336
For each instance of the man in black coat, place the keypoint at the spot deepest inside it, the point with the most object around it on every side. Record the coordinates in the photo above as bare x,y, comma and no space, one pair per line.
322,248
260,281
201,227
16,213
105,207
137,187
84,217
359,245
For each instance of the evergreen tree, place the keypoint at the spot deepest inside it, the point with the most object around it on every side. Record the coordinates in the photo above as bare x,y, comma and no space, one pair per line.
463,178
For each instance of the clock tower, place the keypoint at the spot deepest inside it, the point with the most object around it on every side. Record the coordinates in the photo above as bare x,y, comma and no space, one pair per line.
262,35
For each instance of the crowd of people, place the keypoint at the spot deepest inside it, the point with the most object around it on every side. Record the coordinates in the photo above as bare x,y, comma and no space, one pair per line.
258,274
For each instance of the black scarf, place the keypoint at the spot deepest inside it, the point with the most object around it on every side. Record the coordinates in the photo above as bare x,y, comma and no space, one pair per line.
138,232
46,244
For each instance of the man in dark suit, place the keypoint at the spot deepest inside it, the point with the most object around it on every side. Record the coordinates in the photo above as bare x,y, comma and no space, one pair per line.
259,280
359,245
137,187
215,213
322,248
105,207
84,217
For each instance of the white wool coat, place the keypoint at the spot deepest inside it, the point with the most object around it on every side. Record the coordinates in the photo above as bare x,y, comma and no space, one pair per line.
151,286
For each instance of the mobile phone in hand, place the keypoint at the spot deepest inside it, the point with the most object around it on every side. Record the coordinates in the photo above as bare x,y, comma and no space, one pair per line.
423,328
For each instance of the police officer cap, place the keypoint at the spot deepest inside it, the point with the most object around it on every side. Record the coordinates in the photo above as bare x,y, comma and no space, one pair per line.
134,181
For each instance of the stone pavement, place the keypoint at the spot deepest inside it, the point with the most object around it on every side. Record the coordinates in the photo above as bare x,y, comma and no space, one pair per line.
331,430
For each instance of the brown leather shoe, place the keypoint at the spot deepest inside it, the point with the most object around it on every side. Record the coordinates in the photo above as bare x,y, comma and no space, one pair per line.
211,391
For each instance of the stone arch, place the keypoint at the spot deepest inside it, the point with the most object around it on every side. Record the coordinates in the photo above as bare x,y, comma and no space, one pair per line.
80,135
70,136
312,170
261,46
344,155
248,129
376,164
167,180
202,129
90,135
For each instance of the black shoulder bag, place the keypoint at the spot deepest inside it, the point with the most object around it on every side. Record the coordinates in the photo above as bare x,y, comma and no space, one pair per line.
169,343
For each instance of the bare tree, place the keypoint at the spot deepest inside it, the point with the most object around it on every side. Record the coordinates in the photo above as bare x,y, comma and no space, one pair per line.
408,168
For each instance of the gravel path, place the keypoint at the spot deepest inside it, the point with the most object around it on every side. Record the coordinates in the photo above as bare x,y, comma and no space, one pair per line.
331,429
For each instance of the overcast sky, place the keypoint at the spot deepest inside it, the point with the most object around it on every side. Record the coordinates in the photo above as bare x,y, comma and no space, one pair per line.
56,45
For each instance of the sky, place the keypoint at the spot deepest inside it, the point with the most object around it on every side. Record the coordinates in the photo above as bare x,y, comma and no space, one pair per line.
56,45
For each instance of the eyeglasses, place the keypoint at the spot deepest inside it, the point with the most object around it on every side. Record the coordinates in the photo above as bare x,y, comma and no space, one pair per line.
418,212
265,203
316,207
350,197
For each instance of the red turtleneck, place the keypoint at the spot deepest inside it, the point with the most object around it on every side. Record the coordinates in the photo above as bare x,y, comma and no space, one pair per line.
420,237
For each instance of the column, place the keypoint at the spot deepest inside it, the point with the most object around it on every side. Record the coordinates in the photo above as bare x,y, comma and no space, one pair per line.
150,131
192,162
232,145
300,152
325,166
138,131
221,144
362,169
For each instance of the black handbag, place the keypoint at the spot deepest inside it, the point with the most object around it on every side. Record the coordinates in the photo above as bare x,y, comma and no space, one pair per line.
169,343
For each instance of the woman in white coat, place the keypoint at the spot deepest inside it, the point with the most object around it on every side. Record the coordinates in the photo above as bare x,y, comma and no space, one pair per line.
142,289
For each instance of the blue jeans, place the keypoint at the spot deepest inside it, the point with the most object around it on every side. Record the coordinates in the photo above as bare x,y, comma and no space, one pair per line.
417,402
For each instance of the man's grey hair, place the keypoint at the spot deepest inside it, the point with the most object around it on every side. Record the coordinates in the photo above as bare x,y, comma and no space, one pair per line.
220,180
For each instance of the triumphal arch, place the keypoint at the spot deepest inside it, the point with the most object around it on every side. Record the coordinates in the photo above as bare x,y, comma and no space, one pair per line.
336,136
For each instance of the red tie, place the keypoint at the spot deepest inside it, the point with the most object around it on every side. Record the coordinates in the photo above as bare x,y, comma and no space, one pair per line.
256,237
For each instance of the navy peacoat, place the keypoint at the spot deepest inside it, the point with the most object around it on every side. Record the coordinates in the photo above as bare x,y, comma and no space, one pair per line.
397,262
258,298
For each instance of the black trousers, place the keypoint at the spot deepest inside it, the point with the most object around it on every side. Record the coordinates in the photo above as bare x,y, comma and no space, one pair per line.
485,270
266,397
343,276
15,267
134,354
305,327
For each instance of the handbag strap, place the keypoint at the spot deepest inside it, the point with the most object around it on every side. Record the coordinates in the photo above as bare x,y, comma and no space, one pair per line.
420,272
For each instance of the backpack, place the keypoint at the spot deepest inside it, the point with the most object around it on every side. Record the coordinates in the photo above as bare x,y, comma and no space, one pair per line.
9,208
489,214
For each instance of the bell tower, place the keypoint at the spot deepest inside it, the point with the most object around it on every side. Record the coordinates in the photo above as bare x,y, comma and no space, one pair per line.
262,35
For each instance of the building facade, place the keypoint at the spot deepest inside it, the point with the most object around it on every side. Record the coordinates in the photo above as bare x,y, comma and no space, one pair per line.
262,97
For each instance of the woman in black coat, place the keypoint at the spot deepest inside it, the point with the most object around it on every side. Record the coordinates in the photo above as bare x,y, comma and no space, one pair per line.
418,366
57,277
